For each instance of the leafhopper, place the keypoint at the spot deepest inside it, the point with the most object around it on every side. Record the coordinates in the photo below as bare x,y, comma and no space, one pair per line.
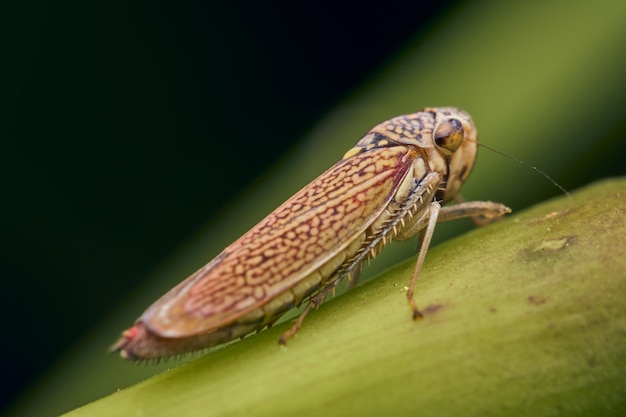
390,186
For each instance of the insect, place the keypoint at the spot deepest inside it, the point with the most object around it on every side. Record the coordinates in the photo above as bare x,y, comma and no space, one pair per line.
389,186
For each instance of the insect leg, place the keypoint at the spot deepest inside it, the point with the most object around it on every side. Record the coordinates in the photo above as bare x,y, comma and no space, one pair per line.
314,302
433,215
477,210
481,212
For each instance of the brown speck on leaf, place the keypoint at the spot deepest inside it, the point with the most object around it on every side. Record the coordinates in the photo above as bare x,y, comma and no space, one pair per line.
536,301
432,308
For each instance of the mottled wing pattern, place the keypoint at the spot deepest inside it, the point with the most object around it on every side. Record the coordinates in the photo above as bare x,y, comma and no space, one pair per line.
290,243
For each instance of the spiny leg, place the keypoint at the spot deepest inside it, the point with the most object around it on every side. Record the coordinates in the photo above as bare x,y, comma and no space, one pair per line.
353,276
314,302
434,210
479,211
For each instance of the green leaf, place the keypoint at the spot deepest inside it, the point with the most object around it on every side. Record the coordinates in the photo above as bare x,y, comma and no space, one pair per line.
522,317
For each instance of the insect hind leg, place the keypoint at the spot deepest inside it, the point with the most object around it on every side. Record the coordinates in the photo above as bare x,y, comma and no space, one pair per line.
314,302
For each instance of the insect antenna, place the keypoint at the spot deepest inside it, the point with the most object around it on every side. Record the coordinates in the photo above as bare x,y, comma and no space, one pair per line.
533,167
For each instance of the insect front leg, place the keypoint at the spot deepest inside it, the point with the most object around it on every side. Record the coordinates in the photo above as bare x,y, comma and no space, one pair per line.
481,212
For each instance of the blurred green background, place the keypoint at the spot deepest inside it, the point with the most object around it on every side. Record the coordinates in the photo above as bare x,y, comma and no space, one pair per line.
139,138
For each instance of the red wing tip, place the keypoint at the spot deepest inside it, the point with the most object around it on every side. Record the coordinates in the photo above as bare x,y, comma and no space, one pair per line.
128,336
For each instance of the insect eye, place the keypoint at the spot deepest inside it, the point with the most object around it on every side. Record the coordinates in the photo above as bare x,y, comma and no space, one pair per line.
449,135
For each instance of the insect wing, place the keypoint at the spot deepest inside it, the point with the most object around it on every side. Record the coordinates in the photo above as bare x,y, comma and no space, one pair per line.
292,242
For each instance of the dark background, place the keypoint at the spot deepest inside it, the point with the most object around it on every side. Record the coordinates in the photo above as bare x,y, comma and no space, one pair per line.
126,125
